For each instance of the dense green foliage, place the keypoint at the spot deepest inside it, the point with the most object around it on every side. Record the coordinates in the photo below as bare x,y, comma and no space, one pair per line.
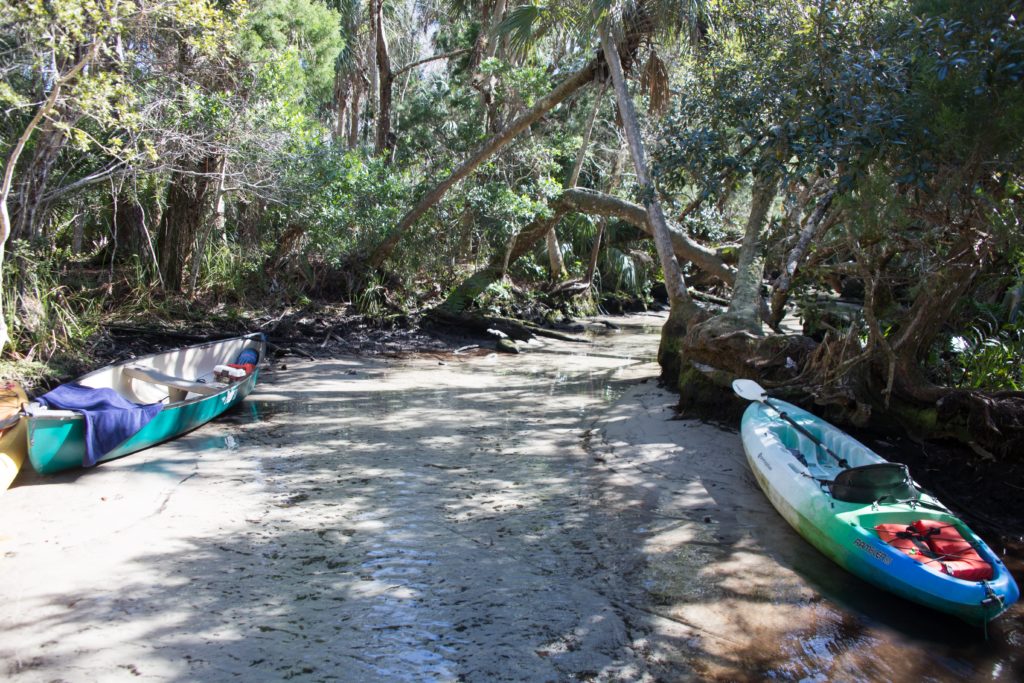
908,117
212,152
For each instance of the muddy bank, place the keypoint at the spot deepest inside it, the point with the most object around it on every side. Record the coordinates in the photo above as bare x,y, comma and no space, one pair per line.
460,518
733,593
359,519
982,488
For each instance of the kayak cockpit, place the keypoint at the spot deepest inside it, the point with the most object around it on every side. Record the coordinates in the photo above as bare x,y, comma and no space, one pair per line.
882,481
849,450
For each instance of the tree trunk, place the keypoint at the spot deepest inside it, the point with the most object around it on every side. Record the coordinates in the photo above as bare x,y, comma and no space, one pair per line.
543,105
368,129
745,306
384,142
12,160
31,201
595,250
354,114
810,232
487,47
78,236
129,218
681,306
555,261
214,225
342,88
556,264
581,153
180,224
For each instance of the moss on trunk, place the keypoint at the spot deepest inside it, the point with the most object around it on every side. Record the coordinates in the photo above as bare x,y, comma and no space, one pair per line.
703,396
670,349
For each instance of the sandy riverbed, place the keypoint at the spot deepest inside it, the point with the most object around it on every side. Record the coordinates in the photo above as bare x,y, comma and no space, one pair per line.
478,518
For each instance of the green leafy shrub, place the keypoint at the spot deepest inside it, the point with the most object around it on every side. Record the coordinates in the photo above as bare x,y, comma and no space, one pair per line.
988,359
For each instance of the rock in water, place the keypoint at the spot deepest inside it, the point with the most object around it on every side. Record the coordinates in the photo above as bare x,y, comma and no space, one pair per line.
507,346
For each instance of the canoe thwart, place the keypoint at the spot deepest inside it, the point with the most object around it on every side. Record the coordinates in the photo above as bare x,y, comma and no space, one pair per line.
154,376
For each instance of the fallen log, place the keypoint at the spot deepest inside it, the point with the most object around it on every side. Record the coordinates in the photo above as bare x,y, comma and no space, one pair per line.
162,333
285,350
552,334
482,325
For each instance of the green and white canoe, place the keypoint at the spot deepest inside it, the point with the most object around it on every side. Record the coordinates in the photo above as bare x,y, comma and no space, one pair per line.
183,379
843,498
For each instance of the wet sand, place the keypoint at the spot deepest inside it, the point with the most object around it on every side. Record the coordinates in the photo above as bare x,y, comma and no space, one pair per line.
538,517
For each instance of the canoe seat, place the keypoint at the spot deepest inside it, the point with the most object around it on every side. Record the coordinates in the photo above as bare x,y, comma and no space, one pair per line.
154,376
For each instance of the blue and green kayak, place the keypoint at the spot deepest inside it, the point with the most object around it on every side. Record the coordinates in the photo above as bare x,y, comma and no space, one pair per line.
869,516
193,383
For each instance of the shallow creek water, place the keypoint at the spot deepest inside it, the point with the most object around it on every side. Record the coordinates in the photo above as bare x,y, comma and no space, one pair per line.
446,518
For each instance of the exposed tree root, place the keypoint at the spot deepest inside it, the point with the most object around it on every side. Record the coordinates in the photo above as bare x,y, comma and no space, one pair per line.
771,359
852,385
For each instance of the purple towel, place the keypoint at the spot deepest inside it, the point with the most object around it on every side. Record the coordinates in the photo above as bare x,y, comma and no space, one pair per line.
109,417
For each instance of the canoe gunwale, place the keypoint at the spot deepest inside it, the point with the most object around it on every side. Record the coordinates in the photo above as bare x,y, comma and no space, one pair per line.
252,336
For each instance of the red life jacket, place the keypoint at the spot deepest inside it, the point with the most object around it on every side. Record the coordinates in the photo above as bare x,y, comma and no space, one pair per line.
904,538
957,556
930,541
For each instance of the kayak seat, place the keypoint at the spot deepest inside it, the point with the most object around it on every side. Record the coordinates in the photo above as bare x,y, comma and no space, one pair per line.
815,454
834,442
798,443
889,481
181,385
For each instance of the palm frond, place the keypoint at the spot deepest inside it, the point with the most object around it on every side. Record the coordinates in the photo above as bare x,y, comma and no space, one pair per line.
668,21
351,14
622,269
525,25
350,11
654,81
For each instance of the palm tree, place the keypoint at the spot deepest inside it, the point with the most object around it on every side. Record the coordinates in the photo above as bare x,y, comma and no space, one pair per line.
681,306
631,24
